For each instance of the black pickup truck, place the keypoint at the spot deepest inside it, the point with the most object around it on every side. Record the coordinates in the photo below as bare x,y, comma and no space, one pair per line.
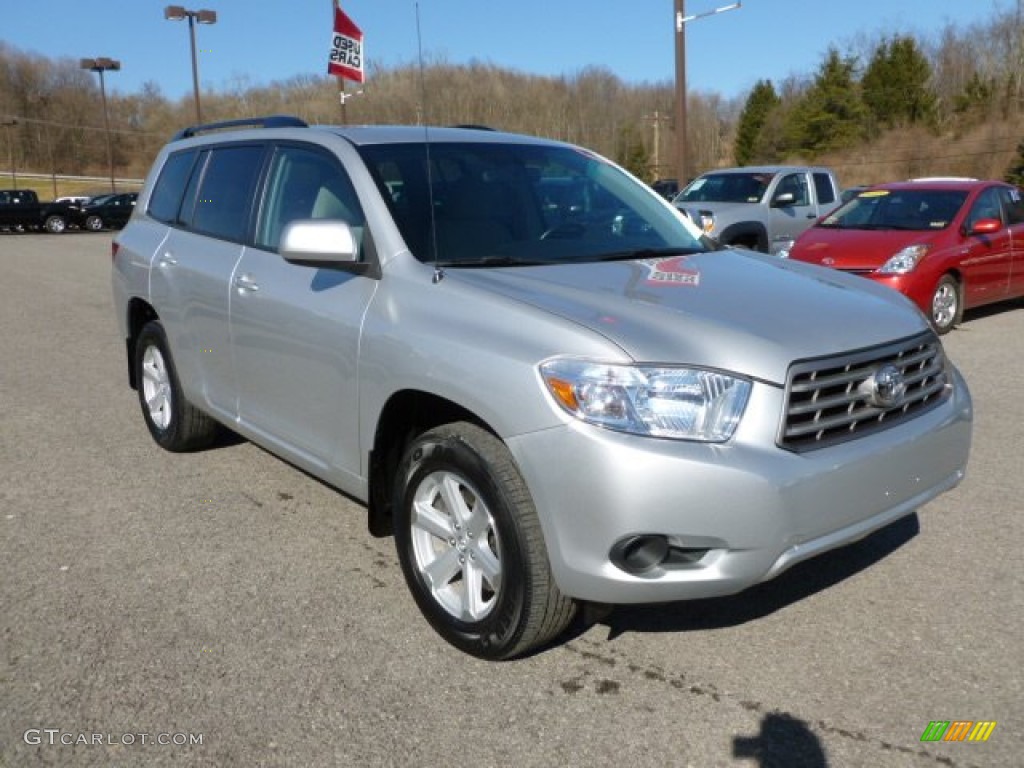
20,209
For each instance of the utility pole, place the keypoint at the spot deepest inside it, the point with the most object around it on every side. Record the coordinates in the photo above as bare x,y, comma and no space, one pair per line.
681,20
682,175
99,66
656,119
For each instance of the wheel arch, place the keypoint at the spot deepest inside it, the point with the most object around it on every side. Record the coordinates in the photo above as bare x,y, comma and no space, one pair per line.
406,414
139,312
746,233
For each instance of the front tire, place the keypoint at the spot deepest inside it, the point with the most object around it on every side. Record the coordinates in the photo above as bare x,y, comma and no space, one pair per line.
947,308
94,223
471,546
175,424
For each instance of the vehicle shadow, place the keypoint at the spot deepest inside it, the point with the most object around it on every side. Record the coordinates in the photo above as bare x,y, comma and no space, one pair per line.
798,583
784,741
988,310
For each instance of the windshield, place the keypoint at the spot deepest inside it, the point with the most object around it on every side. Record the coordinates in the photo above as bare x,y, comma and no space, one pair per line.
726,188
500,204
905,209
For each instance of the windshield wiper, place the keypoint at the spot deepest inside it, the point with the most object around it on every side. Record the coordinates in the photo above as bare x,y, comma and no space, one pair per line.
645,253
492,261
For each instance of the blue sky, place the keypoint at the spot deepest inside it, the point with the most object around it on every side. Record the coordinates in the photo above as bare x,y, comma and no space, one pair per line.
259,41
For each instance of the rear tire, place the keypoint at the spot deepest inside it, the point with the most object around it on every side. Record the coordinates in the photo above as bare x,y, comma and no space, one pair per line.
55,224
947,306
471,546
175,424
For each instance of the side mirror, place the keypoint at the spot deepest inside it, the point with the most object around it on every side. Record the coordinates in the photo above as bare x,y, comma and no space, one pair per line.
319,241
986,227
784,200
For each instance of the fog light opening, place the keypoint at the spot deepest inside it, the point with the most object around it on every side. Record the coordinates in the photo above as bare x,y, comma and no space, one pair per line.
640,554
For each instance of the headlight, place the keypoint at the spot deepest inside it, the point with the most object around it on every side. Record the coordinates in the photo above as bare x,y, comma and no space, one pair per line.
678,403
904,261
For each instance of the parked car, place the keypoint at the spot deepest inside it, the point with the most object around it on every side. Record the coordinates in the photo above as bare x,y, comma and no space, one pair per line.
947,244
105,212
667,188
581,401
21,210
851,192
762,208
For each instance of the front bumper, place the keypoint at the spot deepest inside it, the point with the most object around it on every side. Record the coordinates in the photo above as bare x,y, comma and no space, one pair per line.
755,508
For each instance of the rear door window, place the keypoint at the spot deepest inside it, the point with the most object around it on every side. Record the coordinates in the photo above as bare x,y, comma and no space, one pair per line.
1014,205
224,200
823,187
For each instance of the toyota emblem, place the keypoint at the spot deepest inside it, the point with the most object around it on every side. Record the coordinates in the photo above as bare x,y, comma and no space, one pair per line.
887,387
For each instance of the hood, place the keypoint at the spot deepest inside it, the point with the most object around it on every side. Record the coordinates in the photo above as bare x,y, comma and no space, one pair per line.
731,310
725,213
856,249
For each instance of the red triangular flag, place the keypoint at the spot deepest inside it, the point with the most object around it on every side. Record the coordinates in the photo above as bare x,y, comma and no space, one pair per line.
346,48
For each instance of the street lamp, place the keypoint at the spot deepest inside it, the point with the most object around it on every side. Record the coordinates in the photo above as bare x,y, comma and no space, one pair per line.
100,66
10,150
179,12
682,166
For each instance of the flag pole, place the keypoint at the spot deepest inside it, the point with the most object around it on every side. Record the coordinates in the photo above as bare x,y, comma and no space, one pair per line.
336,5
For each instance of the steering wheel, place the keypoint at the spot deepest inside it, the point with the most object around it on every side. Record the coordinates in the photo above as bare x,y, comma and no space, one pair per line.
564,230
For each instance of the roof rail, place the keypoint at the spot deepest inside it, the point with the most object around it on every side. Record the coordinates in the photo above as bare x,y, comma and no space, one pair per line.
471,127
926,179
271,121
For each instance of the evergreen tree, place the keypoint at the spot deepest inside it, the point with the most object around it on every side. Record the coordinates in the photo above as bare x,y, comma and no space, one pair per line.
632,154
1015,173
831,115
897,84
760,104
978,95
880,95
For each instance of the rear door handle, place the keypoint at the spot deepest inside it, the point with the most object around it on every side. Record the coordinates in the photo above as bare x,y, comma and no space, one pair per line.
245,283
167,260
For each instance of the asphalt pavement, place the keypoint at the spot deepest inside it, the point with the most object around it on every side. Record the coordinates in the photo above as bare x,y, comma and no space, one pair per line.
225,609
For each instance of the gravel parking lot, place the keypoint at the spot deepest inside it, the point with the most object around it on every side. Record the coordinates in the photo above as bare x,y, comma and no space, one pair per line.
231,606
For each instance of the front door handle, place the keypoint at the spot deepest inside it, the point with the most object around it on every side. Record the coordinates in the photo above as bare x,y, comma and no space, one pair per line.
167,260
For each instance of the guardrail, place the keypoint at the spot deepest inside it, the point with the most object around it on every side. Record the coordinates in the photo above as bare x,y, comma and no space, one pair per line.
57,184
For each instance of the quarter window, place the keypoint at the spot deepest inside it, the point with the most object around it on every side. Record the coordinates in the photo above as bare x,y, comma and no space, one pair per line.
167,193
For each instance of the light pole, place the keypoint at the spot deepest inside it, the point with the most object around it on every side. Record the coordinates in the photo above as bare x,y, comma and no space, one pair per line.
11,123
179,12
100,66
681,19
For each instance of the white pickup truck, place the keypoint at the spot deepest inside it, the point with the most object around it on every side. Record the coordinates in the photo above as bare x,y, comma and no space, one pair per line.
763,208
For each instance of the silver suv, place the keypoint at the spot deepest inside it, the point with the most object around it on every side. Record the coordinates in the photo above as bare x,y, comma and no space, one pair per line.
529,366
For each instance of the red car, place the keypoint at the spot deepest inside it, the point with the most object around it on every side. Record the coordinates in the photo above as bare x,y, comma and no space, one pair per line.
948,244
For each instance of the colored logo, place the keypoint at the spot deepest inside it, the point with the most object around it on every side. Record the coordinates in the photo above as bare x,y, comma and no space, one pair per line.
671,271
958,730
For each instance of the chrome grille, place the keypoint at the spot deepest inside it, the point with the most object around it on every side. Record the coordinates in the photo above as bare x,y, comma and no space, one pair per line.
835,399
